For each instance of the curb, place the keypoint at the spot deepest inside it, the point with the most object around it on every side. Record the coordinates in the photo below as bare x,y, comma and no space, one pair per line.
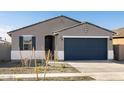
6,76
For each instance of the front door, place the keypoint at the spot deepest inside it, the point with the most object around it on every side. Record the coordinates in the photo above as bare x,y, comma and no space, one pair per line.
49,45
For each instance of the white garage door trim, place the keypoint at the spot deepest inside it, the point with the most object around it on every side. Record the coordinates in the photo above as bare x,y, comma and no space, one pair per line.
86,36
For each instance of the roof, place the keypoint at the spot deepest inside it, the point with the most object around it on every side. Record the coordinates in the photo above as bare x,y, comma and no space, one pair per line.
120,33
43,22
85,23
78,24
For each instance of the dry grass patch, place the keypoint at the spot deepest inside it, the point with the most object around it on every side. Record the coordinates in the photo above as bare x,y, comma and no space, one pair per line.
52,68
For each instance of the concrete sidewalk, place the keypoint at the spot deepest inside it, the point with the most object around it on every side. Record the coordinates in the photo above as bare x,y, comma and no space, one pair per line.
98,76
5,76
107,76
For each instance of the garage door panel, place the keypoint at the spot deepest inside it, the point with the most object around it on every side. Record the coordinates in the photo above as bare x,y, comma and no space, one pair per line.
85,48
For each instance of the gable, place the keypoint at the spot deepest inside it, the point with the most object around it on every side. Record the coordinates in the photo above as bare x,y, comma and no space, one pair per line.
52,24
119,33
86,29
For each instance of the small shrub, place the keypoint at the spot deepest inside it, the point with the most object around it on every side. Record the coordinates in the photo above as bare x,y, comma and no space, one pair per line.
63,66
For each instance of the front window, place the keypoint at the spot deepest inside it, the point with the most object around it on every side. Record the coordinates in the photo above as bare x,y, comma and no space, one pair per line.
27,43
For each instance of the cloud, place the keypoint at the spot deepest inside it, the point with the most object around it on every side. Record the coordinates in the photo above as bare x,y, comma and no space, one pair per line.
3,32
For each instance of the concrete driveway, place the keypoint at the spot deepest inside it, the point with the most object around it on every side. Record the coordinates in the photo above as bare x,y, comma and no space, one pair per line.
100,70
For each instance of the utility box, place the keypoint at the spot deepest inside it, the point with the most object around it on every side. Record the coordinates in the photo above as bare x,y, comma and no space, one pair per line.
118,52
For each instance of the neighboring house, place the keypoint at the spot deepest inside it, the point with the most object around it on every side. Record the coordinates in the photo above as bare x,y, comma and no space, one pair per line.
118,38
72,39
5,50
4,41
118,42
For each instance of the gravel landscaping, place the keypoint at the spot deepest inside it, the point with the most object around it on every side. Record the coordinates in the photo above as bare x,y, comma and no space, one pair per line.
15,68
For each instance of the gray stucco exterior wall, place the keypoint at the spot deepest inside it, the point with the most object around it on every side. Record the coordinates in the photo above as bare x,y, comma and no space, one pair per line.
40,31
79,31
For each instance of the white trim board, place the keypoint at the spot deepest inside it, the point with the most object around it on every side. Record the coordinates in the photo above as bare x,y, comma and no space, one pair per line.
86,36
110,54
17,55
60,55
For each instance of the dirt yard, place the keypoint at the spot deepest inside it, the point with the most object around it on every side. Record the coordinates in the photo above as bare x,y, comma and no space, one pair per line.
15,68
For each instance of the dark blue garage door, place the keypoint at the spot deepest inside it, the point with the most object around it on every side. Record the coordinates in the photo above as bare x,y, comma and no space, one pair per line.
85,48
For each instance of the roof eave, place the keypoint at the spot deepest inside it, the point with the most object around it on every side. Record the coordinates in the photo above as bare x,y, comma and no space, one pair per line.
101,27
118,37
9,33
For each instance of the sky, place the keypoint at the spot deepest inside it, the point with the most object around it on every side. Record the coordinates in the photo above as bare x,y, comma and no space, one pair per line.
13,20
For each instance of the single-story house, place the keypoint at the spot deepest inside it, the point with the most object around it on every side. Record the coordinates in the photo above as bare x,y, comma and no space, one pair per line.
72,39
4,41
118,42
